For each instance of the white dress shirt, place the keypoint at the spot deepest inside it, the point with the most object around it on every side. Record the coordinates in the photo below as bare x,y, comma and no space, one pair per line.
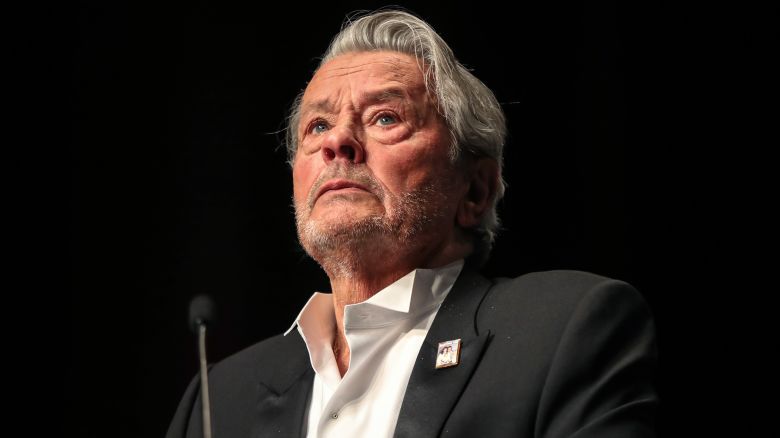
384,334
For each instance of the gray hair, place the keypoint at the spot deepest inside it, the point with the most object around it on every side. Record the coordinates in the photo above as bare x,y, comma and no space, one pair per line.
468,107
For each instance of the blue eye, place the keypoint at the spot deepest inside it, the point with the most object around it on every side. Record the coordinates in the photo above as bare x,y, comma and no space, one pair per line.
319,128
386,120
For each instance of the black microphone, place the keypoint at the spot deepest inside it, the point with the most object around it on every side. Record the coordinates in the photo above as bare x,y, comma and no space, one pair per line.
201,312
201,315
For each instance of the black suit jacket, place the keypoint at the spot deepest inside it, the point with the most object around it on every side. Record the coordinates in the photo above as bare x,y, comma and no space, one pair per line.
550,354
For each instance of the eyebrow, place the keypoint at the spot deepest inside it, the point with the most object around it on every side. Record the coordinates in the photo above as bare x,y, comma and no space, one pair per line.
366,99
384,95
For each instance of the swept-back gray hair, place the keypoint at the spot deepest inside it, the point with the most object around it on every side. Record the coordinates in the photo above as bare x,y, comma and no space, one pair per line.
470,110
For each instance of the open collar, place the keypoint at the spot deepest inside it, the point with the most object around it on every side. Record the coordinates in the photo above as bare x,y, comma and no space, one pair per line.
285,389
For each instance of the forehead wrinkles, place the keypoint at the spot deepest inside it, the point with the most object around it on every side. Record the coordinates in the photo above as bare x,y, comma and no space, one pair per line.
391,67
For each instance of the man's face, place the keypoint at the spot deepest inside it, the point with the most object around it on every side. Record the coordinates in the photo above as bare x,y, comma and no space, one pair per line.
372,165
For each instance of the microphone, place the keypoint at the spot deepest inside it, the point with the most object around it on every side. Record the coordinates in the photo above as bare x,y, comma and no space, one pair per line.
202,314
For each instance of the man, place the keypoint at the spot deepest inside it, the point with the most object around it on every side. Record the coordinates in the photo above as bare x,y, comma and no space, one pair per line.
396,156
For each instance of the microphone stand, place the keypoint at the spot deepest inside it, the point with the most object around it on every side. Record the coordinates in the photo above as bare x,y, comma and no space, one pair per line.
204,380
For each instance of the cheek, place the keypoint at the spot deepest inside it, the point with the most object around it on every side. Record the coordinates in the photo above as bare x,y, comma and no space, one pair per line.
411,169
303,178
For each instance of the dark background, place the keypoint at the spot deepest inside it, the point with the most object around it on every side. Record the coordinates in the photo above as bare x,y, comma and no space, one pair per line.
632,131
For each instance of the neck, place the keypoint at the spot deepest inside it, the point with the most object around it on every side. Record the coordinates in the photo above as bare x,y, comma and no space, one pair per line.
356,281
357,286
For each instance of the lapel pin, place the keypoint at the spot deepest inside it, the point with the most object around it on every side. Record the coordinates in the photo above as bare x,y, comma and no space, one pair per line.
448,354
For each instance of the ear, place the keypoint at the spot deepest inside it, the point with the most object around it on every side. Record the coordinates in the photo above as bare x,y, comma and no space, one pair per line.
482,187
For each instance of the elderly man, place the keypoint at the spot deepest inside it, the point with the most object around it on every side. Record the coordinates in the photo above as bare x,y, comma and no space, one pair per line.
396,155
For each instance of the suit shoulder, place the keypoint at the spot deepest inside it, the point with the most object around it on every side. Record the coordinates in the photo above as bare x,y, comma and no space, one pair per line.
560,285
274,355
259,351
553,295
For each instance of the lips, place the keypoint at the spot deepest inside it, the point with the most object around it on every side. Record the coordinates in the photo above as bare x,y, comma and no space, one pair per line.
339,184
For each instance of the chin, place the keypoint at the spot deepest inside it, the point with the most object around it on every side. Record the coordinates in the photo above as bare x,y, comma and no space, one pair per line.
340,232
345,213
342,247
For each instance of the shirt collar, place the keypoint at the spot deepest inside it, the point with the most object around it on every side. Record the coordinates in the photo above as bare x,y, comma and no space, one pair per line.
418,291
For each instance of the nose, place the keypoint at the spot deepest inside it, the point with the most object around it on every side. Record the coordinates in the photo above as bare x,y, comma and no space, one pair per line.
342,144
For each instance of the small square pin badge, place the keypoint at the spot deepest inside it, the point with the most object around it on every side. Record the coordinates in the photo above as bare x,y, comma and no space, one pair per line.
448,354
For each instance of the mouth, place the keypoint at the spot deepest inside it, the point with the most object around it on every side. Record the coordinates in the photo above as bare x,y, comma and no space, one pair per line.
340,185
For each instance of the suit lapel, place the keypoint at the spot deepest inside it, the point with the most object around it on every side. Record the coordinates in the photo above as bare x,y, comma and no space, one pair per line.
431,394
284,392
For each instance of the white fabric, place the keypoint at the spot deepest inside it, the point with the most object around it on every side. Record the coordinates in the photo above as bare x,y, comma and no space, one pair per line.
384,334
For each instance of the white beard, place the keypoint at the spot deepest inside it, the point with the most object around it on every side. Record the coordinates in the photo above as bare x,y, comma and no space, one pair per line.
342,247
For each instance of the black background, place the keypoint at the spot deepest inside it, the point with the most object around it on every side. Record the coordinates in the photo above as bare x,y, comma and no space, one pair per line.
632,131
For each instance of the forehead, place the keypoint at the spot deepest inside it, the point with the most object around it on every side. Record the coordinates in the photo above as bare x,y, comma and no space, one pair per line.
363,71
